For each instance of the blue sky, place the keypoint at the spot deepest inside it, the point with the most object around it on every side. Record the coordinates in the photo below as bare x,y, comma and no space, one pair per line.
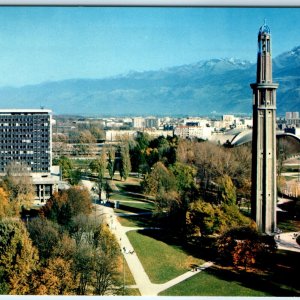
39,44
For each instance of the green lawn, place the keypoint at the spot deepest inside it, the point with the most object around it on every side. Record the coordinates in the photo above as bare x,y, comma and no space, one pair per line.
132,292
206,284
147,206
120,196
289,225
161,261
289,178
136,221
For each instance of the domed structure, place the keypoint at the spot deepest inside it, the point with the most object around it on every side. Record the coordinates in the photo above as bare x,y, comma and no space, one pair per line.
264,29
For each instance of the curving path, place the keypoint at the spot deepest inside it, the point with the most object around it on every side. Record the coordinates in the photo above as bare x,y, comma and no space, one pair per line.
287,241
143,283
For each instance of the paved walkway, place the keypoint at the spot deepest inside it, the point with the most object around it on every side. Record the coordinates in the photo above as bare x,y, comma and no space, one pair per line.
143,283
287,241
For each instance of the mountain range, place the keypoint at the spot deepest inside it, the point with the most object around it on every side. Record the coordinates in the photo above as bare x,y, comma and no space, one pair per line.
219,86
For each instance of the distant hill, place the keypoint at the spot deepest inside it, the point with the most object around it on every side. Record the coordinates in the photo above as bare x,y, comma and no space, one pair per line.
217,85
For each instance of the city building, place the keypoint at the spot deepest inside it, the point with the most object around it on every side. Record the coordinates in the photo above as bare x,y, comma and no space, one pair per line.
138,122
228,120
264,188
194,131
119,135
25,136
292,119
152,122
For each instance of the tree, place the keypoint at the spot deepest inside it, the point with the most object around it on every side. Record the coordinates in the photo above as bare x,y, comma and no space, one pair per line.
245,247
214,161
111,163
99,166
185,177
65,247
83,267
83,229
201,218
86,137
18,257
186,151
204,218
159,180
228,190
54,279
125,165
75,176
44,235
66,166
19,185
5,206
79,199
106,261
142,139
96,257
97,132
63,206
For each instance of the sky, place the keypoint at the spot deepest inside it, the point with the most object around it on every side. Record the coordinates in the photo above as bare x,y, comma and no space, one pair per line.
39,44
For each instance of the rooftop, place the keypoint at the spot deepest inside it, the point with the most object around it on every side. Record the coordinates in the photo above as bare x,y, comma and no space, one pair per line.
24,110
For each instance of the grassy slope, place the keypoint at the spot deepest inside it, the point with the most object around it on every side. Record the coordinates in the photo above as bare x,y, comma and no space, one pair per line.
161,261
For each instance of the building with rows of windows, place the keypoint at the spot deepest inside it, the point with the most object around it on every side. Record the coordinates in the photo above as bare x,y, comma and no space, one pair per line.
26,137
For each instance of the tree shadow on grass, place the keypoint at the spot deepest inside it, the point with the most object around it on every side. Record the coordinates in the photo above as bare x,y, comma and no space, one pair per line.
170,238
254,281
140,220
278,278
130,188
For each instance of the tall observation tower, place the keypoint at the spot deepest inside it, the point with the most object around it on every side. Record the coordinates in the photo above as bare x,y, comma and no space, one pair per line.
264,189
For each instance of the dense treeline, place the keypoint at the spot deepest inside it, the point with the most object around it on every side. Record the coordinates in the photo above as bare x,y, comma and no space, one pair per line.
196,184
198,188
63,251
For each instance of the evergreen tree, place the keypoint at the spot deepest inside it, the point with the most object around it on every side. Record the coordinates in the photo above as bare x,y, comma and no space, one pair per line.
111,163
125,165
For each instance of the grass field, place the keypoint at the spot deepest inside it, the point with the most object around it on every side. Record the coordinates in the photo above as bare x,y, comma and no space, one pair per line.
207,284
146,206
289,225
136,221
161,261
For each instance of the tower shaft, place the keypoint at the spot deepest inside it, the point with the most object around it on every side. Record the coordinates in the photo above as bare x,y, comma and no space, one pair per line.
264,188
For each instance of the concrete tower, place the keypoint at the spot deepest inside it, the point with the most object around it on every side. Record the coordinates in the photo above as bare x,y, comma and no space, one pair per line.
264,189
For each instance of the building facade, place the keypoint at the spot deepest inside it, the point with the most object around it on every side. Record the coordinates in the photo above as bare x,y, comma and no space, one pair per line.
292,118
138,122
152,122
264,189
26,137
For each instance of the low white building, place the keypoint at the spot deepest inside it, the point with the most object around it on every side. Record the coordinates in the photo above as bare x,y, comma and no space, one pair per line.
156,133
45,185
202,132
119,135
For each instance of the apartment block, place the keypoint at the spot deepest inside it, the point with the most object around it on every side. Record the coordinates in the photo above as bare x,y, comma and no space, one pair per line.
25,136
